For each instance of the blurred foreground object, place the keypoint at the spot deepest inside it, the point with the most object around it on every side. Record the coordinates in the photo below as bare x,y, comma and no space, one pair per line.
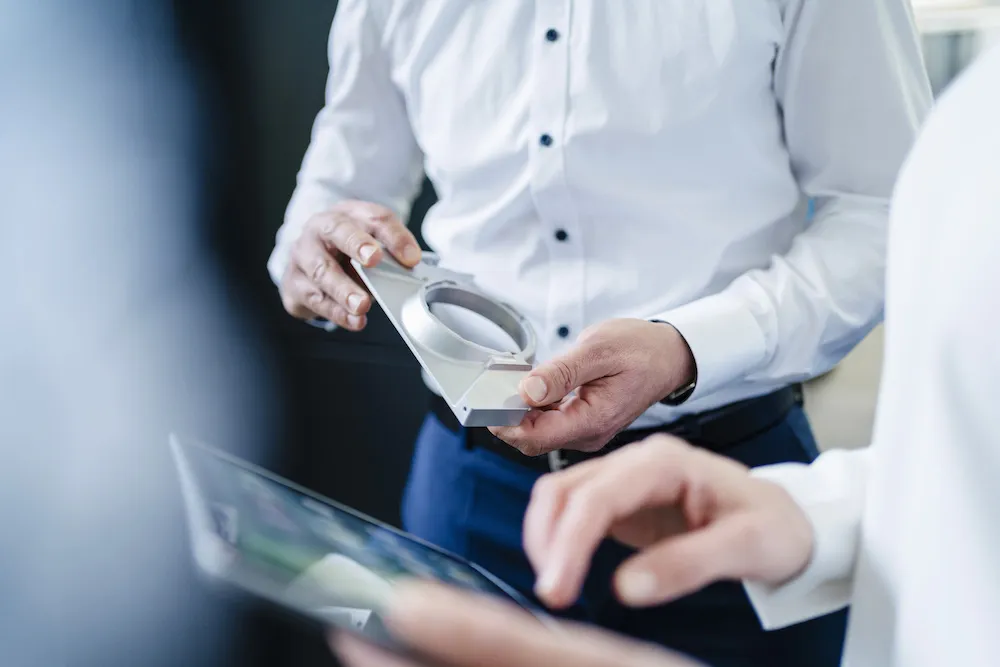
841,404
115,330
453,628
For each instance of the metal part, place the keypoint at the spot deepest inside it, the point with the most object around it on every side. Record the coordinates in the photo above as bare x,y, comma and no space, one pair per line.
479,383
557,461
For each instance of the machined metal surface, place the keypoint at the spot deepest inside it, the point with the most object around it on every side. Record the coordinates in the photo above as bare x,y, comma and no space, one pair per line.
478,382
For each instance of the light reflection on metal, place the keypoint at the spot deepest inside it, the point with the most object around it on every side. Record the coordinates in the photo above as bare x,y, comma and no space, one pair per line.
479,383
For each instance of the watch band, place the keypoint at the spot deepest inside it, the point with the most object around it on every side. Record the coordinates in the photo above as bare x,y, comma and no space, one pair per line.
321,323
681,394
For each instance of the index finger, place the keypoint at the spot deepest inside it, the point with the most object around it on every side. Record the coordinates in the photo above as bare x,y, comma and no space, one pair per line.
344,231
633,478
385,226
545,505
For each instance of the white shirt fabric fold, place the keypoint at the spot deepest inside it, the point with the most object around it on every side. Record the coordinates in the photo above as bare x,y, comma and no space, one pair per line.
908,531
649,159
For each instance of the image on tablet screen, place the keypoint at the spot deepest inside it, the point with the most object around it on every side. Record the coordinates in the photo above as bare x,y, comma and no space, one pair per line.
312,555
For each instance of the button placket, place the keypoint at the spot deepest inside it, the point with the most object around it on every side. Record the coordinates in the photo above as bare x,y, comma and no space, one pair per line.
550,191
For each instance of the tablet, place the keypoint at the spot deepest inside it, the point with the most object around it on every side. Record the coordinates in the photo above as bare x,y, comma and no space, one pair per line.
318,558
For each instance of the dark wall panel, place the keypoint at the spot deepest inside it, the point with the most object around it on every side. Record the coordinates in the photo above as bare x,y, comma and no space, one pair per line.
352,403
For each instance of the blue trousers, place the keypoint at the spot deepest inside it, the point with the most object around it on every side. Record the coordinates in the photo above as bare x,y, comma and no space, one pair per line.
472,502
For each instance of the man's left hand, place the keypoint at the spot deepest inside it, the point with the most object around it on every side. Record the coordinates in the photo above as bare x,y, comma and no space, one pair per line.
617,369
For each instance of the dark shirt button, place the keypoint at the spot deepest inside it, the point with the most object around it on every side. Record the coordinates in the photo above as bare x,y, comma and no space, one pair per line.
545,140
561,235
563,332
552,34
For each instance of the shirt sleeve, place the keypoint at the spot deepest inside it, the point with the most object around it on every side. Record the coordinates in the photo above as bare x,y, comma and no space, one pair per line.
362,145
851,87
831,492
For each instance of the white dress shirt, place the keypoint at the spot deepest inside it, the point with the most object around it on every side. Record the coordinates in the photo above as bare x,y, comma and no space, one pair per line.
908,531
648,158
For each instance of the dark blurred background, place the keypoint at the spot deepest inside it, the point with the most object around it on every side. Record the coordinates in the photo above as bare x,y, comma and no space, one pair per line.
260,69
351,403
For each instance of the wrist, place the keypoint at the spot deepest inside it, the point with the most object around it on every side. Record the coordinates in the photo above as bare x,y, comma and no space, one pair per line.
798,543
681,372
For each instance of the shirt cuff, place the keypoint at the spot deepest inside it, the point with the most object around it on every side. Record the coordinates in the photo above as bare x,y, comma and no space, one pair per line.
826,585
278,262
725,339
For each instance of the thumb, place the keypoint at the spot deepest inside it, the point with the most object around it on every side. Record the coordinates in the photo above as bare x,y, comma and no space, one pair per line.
686,563
556,379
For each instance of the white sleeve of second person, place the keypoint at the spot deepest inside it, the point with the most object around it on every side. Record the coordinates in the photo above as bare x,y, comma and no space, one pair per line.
831,492
362,145
851,86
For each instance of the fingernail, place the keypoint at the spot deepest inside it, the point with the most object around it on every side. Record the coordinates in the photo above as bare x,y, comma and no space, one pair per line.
354,302
535,388
637,587
366,252
356,321
411,254
547,583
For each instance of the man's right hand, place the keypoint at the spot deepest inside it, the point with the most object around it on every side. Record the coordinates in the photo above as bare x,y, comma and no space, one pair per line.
319,281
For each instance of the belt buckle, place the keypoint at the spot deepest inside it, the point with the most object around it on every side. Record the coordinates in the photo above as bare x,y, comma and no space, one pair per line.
557,461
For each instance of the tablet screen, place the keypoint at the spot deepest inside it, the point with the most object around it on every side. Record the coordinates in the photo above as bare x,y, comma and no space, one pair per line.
305,552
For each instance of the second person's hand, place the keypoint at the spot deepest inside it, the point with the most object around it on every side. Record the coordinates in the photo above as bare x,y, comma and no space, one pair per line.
451,628
319,281
694,516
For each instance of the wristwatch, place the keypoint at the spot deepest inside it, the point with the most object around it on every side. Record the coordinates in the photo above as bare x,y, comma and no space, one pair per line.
682,393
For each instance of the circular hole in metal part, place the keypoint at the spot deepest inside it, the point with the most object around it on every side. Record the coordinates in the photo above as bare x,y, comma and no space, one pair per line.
476,318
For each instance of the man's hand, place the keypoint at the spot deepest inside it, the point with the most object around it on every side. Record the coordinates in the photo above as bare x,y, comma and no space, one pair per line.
694,516
453,629
319,280
618,369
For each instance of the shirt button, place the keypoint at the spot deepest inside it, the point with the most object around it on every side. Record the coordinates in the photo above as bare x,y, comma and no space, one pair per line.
561,235
563,332
552,34
545,140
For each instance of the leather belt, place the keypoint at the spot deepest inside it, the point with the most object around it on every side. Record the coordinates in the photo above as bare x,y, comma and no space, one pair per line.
715,430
